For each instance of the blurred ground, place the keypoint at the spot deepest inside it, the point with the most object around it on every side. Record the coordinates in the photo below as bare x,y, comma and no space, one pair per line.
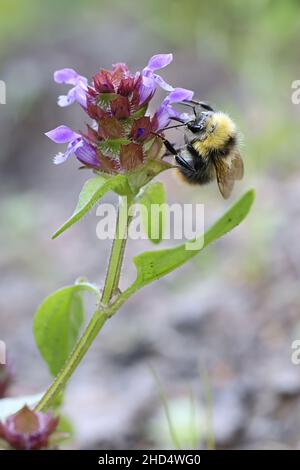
234,309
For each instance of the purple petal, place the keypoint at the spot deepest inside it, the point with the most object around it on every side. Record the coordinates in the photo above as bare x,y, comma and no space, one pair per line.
68,76
160,82
159,61
173,113
148,79
151,80
80,96
72,148
165,113
66,100
62,135
145,92
77,93
162,117
179,94
87,154
60,158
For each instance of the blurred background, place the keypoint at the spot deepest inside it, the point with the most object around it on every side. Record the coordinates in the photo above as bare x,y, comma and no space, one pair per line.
218,332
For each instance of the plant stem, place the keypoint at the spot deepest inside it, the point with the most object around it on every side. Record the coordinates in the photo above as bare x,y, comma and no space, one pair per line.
93,328
117,251
103,312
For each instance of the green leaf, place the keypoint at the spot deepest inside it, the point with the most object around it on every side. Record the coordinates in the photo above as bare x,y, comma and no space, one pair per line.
139,178
10,406
65,430
140,112
106,98
92,191
113,145
57,324
153,213
152,265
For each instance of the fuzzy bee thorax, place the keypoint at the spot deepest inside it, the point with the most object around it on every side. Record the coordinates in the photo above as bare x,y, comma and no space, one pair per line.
219,129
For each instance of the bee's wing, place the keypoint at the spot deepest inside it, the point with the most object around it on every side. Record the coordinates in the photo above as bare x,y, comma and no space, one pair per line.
238,165
227,171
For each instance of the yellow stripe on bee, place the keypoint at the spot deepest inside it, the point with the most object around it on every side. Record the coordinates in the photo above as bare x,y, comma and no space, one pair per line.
219,128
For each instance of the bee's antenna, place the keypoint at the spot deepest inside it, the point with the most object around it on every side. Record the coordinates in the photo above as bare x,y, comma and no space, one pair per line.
186,103
199,103
167,128
173,127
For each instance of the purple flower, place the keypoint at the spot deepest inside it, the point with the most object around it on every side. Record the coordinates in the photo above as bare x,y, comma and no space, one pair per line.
85,152
151,79
87,155
27,430
165,112
178,95
77,92
117,103
63,135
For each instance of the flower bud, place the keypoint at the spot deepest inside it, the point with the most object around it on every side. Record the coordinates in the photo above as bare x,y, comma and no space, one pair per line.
27,430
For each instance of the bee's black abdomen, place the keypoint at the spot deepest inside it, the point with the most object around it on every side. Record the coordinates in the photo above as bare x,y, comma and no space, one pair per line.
204,171
198,177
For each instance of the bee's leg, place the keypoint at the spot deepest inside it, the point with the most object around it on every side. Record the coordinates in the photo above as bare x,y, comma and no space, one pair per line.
168,154
179,159
183,163
170,147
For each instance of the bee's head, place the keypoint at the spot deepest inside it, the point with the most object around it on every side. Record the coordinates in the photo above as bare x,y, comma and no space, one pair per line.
212,127
201,123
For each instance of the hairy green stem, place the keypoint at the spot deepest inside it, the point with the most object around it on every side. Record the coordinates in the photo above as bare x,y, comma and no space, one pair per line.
117,251
103,312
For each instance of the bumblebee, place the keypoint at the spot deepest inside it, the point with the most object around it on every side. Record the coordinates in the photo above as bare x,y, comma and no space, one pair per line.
211,149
